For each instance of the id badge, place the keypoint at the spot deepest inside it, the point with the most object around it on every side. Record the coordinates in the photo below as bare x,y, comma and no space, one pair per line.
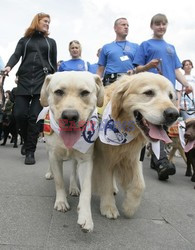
124,58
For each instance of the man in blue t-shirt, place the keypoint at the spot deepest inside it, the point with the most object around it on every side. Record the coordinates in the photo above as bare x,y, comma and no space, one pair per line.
116,57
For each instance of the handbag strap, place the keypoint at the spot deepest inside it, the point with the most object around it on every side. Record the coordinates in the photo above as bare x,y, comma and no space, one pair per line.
45,69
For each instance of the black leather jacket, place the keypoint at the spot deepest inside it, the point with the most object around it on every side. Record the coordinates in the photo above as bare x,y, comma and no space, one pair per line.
30,73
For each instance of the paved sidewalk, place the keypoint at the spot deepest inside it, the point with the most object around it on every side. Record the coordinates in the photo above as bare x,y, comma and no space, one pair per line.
165,219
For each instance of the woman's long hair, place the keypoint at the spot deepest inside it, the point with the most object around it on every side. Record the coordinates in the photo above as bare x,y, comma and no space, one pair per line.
35,23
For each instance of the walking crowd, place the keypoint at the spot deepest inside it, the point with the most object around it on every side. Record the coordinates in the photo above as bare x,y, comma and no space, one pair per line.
39,58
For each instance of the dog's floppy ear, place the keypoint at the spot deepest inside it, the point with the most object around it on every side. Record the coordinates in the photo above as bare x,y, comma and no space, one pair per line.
117,99
44,91
100,91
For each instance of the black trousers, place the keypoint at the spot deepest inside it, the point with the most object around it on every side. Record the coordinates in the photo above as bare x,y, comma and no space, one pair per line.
26,111
163,155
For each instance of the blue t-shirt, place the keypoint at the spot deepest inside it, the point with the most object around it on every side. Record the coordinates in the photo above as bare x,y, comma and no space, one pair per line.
117,57
159,49
93,68
74,64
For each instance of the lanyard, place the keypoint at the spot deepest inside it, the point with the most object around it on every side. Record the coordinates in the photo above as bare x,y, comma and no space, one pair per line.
122,47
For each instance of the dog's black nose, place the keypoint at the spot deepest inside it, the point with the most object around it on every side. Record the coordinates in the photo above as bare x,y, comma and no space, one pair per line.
170,115
70,115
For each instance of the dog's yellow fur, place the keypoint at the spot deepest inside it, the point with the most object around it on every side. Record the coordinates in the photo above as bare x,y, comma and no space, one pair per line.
151,95
81,92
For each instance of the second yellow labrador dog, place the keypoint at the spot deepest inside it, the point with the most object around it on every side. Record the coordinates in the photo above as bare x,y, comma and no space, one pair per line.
135,110
71,98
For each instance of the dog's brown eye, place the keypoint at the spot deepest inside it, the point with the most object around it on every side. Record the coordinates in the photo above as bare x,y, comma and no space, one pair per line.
59,92
149,93
171,96
84,93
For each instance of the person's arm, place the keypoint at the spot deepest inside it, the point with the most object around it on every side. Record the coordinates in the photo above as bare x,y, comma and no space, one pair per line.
183,81
15,57
54,55
100,71
62,67
152,64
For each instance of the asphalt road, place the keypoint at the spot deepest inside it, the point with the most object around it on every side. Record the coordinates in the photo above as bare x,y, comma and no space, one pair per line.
164,220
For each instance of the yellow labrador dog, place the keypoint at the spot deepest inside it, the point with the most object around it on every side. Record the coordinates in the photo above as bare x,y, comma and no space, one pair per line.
72,98
135,110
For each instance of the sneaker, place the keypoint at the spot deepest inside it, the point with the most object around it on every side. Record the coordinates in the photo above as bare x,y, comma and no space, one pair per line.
152,164
23,150
30,159
165,169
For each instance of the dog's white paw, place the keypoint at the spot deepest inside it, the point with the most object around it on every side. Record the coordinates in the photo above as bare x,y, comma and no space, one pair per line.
86,223
74,191
48,176
110,211
62,206
130,207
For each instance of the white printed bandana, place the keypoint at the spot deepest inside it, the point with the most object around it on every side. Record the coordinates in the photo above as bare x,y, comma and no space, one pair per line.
86,137
112,132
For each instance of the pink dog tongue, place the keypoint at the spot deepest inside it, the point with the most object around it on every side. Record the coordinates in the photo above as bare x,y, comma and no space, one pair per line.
158,133
189,146
70,138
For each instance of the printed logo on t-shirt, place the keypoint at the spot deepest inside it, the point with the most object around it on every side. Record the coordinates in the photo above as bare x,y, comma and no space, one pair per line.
170,50
127,48
80,66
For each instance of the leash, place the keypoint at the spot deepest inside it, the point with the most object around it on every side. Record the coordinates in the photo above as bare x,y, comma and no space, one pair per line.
159,68
185,105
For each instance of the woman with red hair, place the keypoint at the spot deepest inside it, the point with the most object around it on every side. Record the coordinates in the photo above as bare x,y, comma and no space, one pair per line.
39,57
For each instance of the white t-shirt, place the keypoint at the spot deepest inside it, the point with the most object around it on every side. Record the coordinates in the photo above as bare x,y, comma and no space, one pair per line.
178,86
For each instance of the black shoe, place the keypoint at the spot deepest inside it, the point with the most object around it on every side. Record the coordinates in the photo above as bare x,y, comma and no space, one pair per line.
23,150
165,169
152,165
30,159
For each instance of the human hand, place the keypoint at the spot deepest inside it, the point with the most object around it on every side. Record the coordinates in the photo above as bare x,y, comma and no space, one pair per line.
131,72
154,63
188,89
7,70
